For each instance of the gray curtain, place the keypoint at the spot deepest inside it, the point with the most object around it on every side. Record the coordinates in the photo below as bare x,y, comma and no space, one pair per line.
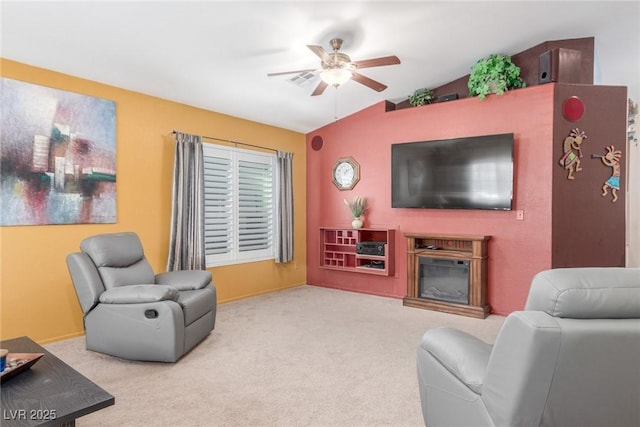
186,243
284,207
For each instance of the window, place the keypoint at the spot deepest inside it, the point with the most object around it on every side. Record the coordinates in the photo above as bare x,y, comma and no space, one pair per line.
239,217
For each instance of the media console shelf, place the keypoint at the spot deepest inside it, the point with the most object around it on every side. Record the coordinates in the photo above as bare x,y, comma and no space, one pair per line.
338,250
438,261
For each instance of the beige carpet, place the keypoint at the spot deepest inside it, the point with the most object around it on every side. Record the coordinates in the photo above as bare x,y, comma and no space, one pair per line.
306,356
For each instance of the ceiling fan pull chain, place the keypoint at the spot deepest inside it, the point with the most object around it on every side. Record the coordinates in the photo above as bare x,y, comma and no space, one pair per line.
335,105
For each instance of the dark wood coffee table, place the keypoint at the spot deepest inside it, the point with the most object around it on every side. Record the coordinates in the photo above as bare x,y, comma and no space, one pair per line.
50,393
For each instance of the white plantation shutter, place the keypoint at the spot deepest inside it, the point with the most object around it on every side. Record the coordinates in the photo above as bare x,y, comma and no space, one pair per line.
255,205
218,205
238,205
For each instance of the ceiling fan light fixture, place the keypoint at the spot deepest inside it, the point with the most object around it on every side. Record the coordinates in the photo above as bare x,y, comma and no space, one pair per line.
335,76
336,68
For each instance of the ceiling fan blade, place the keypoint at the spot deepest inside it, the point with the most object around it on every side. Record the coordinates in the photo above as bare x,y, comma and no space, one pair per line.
292,72
319,50
364,80
377,62
320,88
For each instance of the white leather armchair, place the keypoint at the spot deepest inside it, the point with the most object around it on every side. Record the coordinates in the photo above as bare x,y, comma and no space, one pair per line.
571,358
132,313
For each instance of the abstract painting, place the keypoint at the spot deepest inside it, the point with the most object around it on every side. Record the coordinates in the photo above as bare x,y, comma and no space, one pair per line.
58,156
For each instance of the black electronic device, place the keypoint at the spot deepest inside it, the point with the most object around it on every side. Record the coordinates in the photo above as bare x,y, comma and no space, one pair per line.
370,248
377,264
447,97
560,65
461,173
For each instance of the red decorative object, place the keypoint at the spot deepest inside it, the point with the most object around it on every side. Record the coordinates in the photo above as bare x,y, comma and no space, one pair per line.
317,142
573,109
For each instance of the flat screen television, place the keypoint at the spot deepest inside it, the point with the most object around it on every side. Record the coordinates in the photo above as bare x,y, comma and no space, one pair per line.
461,173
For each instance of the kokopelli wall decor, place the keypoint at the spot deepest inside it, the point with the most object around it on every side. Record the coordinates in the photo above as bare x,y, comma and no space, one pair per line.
611,159
572,152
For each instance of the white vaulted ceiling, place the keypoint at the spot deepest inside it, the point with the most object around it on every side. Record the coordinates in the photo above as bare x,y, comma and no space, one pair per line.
216,54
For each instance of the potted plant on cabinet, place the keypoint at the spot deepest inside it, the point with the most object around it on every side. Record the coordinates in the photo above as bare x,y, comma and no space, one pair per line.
357,206
421,97
494,74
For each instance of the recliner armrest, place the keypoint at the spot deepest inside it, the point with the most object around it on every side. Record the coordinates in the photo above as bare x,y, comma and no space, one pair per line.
136,294
185,280
463,355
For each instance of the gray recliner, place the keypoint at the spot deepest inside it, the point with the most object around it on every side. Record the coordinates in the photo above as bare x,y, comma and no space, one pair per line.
132,313
570,359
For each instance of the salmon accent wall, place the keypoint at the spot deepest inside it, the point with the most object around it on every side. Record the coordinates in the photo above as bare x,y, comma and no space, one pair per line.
518,249
36,295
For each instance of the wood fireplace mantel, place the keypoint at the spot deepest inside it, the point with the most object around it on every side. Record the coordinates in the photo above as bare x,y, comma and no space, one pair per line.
471,248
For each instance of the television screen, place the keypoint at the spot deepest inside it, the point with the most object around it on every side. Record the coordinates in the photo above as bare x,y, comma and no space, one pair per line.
461,173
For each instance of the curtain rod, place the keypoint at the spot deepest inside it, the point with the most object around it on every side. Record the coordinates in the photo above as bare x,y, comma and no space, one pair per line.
234,142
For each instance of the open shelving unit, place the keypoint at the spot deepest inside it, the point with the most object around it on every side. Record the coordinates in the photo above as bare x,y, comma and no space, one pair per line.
338,250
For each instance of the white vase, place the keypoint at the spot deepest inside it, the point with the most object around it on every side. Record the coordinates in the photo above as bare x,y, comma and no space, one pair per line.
357,222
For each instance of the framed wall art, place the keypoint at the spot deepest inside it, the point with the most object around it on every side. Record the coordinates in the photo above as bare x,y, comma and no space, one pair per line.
58,156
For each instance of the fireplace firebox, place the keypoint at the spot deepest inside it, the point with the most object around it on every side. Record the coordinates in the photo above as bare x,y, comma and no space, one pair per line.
444,279
448,273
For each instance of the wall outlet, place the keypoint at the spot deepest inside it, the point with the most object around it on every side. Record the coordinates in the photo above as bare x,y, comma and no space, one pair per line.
520,215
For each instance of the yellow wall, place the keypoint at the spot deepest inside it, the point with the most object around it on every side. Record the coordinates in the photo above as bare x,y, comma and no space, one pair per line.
36,294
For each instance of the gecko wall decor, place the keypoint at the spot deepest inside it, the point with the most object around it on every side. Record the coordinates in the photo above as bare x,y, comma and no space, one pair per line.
612,160
570,160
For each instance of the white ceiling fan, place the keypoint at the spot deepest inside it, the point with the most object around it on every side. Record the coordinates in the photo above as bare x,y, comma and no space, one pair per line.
337,68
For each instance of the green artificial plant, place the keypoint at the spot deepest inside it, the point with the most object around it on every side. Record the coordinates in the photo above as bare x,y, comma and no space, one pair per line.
494,74
421,97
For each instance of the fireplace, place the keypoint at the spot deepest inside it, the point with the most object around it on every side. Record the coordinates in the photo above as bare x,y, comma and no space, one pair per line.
444,279
447,273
